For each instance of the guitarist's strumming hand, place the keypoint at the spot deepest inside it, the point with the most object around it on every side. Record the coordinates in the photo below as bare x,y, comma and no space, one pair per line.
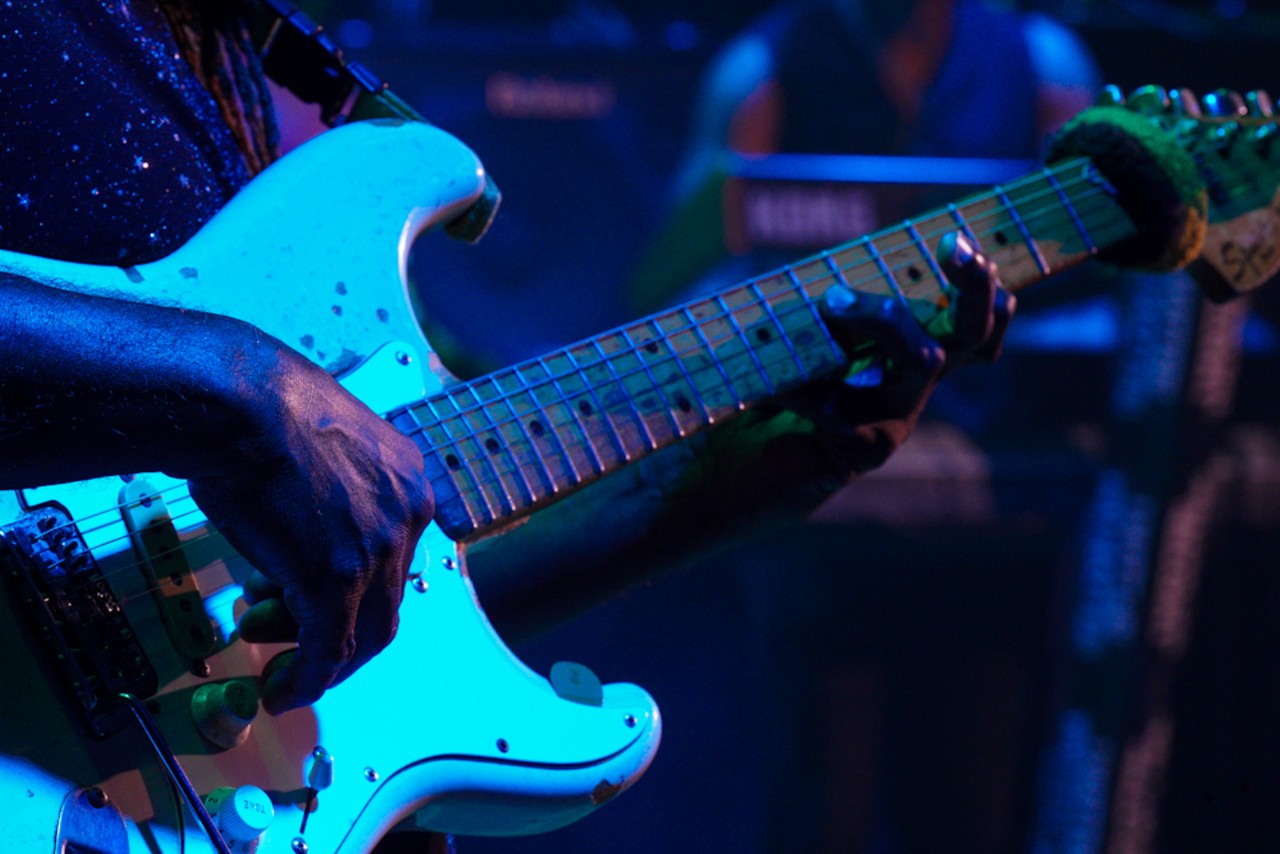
328,504
317,491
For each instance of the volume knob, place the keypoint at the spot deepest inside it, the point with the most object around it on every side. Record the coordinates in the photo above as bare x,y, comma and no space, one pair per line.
223,712
242,815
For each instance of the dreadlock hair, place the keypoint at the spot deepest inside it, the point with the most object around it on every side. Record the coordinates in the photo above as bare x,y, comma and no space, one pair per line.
215,40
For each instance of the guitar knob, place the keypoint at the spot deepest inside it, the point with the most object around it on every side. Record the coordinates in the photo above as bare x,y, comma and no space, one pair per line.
1260,104
242,816
224,711
1225,103
1149,100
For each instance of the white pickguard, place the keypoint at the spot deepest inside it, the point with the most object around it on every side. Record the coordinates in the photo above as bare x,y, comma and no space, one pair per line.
446,721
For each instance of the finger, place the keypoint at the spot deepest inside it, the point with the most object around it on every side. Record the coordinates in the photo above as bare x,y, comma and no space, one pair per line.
326,644
258,588
859,318
1003,310
974,277
377,623
268,621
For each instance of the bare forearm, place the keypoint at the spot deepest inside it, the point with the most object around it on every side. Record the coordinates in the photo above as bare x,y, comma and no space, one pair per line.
91,385
684,503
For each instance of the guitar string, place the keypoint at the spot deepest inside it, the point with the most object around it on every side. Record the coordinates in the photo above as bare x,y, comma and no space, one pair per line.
802,307
493,468
1086,175
179,516
676,355
870,262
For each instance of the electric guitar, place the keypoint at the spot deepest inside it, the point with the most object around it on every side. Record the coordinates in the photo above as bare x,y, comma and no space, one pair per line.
130,713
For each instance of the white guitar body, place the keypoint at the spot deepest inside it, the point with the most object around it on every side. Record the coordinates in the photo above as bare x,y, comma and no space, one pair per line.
446,722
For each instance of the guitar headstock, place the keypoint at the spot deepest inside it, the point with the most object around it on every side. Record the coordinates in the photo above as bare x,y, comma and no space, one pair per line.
1230,141
1233,140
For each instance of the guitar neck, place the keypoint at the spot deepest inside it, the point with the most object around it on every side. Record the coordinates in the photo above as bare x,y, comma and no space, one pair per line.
501,446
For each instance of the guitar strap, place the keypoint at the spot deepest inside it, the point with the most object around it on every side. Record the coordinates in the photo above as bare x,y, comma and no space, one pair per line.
298,55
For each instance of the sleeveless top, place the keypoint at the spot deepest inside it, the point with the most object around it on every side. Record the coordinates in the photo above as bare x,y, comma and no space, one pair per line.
112,151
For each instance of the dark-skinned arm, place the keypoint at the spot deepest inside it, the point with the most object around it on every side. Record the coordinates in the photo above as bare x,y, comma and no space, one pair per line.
318,492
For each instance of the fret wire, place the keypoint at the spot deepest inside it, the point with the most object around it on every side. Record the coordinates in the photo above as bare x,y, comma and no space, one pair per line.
746,342
632,413
516,418
837,272
697,327
684,370
504,447
1075,216
964,226
483,453
573,415
702,344
444,485
600,410
1022,229
676,427
708,344
745,374
463,461
924,251
542,417
810,307
875,255
772,314
804,306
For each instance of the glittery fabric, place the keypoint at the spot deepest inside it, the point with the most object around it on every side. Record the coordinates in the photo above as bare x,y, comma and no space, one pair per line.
110,150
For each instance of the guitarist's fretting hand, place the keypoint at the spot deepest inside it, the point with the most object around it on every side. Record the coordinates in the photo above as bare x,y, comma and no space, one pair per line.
861,425
766,467
321,494
780,462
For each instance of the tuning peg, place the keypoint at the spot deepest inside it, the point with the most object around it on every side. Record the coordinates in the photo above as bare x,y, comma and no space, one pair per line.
1260,104
1183,102
1110,96
1224,103
1149,100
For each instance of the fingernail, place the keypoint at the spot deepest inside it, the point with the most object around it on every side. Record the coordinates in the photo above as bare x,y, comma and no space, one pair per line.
839,298
963,252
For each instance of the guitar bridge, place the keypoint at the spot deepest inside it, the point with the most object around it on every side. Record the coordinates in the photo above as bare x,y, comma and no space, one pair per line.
72,610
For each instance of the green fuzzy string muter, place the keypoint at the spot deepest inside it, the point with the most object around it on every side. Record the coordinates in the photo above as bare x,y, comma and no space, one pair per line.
1155,179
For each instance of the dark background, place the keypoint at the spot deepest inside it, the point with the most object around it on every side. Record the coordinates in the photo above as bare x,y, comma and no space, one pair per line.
968,610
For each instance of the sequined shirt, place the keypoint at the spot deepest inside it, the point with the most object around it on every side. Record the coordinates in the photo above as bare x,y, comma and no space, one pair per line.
111,152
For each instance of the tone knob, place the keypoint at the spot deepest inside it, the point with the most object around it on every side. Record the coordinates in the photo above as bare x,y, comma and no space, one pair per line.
242,816
224,711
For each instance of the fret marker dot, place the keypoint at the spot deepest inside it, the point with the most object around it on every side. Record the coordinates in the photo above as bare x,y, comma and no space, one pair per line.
914,273
763,334
1002,238
452,462
651,347
535,427
584,407
491,445
683,403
